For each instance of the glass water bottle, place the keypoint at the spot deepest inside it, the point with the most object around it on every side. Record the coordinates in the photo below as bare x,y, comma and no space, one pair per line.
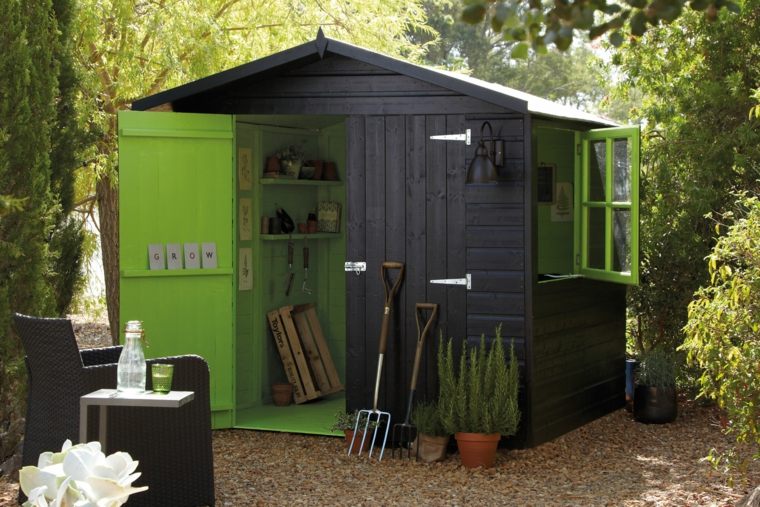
130,371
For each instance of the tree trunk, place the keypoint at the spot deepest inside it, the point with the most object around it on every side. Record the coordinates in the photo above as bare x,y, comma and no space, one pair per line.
108,209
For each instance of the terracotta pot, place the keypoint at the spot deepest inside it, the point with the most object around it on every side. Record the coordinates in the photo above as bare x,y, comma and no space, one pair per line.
282,394
273,165
302,228
477,449
350,435
319,167
431,448
311,226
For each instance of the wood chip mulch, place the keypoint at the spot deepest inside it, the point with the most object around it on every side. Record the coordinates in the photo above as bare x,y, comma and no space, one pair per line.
609,462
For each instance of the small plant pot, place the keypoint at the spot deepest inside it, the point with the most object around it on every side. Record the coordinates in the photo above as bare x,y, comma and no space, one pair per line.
350,435
291,168
477,449
282,394
273,166
331,172
431,448
655,405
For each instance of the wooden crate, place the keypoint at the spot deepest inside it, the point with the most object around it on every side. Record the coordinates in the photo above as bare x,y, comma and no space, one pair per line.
304,353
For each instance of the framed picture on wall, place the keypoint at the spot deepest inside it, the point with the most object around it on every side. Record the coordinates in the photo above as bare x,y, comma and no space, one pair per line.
545,183
245,171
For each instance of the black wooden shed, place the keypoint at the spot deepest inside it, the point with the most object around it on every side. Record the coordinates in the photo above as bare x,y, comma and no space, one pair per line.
544,251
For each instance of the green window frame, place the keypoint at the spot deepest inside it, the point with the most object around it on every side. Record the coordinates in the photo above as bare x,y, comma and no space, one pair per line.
607,207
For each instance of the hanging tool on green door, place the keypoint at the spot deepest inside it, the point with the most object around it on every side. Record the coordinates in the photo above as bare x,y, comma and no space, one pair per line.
304,288
291,274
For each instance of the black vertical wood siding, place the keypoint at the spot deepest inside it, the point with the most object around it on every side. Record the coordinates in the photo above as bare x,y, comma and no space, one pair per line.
578,354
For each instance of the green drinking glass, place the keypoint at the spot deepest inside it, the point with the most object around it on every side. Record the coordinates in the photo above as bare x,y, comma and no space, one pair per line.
161,375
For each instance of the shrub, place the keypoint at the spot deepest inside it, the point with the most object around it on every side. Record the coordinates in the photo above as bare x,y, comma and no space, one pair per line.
656,369
427,419
723,332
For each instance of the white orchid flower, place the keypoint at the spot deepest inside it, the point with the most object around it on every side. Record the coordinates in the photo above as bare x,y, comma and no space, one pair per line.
80,476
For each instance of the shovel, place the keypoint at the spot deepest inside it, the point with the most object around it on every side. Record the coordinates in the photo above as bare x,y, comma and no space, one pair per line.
291,274
375,416
304,288
404,433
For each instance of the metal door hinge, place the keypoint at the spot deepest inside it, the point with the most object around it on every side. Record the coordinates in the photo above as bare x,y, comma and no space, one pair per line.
467,280
355,267
578,149
466,137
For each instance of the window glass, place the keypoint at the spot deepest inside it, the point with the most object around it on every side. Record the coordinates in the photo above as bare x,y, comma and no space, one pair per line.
597,171
621,170
621,240
596,238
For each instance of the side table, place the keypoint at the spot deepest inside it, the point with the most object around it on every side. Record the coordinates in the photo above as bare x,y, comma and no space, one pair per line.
112,398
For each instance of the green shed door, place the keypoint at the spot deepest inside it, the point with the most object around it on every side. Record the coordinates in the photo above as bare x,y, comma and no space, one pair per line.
175,190
609,205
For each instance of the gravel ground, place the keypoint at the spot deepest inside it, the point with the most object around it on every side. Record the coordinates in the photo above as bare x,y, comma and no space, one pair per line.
611,461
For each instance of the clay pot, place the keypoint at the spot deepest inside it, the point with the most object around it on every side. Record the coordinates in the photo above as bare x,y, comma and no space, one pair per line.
319,167
331,172
282,394
311,226
431,448
350,435
302,228
477,449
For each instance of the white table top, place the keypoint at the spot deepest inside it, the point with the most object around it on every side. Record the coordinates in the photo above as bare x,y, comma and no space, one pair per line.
112,397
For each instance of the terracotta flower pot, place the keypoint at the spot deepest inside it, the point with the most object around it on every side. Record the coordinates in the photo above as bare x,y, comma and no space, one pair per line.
350,435
282,394
273,165
431,448
477,449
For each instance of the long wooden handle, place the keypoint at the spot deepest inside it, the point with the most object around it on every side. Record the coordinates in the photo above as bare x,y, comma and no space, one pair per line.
421,338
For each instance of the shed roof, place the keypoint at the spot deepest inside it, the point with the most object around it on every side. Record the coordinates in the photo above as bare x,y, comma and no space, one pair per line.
496,94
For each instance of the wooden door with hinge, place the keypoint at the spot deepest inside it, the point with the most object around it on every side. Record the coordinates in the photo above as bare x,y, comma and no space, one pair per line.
406,202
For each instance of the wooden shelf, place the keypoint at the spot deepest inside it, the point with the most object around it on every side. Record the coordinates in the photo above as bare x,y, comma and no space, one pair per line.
285,237
308,183
148,273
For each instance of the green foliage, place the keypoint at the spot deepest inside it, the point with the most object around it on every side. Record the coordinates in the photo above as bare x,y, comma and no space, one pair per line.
699,145
576,77
427,419
347,421
540,25
480,396
656,369
723,332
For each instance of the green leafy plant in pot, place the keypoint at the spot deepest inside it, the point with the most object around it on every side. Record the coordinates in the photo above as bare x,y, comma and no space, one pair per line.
654,398
478,400
345,421
432,437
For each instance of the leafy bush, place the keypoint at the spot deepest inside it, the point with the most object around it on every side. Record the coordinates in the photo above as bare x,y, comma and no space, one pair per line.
656,369
723,332
481,395
427,419
347,420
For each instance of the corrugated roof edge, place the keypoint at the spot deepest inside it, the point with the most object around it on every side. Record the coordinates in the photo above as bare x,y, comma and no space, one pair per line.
489,92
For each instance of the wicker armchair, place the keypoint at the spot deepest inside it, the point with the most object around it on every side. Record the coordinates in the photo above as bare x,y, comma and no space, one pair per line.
172,445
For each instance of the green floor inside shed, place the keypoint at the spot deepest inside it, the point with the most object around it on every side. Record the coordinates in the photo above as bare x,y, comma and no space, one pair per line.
313,418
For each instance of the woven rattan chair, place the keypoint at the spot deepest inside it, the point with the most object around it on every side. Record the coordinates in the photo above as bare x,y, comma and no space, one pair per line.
172,445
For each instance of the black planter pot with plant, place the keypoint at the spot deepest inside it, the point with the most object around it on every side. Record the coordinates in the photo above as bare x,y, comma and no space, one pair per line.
654,398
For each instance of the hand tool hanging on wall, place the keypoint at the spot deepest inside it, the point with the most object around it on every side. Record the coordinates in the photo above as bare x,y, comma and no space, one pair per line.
375,416
304,288
404,433
291,274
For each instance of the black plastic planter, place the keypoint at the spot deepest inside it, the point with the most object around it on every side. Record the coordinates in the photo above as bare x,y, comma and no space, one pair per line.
655,405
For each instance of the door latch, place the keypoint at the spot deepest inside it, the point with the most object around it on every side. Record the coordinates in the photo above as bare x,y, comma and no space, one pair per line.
467,280
355,267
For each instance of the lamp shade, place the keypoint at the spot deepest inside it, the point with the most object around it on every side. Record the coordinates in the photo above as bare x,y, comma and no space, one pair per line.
481,168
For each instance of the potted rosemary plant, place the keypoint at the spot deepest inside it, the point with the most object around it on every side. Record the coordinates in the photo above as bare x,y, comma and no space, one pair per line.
654,398
478,400
432,437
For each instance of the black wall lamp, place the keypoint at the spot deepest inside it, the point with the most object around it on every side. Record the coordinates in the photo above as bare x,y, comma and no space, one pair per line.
488,155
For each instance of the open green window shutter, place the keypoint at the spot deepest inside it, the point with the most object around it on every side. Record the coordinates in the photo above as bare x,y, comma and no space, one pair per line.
609,205
176,175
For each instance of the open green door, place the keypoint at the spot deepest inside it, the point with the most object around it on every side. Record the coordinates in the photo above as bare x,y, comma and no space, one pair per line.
176,182
609,205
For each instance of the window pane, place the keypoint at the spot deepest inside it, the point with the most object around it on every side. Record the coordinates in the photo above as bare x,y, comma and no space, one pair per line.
621,240
597,171
596,238
621,172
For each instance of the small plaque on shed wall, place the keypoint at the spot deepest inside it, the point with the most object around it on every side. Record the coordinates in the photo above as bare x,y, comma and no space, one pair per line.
156,256
245,271
192,259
